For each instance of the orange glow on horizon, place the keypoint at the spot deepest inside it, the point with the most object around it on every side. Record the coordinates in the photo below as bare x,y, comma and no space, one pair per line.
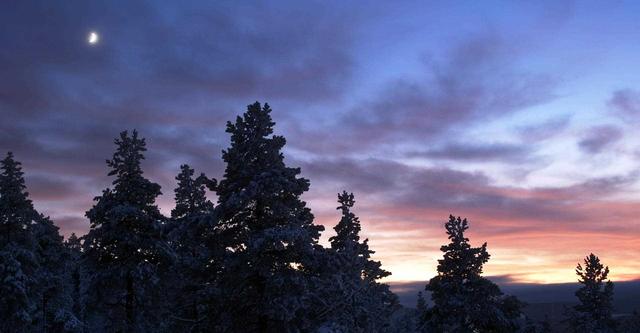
540,255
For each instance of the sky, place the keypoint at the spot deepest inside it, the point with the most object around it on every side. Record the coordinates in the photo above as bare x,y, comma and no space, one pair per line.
520,116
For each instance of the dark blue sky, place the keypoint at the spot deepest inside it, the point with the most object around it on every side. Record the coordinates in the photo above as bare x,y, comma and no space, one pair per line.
520,116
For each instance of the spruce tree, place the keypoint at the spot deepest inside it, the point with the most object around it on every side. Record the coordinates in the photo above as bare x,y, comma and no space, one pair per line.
630,324
267,229
55,308
190,195
74,274
545,326
124,251
16,304
18,260
421,313
193,237
421,303
17,215
367,303
31,259
464,301
594,310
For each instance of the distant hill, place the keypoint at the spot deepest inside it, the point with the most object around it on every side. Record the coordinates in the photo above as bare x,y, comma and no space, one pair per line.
543,299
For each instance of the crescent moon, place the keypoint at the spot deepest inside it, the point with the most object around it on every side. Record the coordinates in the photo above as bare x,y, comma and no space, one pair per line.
93,38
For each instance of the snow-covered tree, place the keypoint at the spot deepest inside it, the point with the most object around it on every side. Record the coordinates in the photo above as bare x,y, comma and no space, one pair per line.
18,259
403,320
16,304
191,194
630,324
362,303
530,326
421,313
595,307
55,308
17,215
268,231
32,258
421,303
124,251
464,301
74,274
192,235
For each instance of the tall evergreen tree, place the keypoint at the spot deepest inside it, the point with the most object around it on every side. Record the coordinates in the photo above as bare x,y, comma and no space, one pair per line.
463,300
31,259
190,195
16,305
595,307
18,261
55,308
124,251
630,324
367,304
421,313
17,215
74,275
193,237
421,303
268,230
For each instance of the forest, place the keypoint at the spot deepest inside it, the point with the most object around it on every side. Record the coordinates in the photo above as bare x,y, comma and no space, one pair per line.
249,262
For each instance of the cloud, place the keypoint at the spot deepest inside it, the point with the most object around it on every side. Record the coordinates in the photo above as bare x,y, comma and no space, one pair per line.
501,152
626,102
48,187
476,80
176,73
72,224
598,138
535,234
158,67
214,51
398,191
543,131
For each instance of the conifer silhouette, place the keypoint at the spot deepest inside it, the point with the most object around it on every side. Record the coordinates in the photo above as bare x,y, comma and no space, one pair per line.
464,301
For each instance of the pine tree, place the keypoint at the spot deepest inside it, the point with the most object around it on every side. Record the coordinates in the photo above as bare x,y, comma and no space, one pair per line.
593,313
463,300
367,304
193,237
124,251
268,230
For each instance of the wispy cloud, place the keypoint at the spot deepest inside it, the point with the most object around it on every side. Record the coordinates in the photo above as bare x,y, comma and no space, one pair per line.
420,117
598,138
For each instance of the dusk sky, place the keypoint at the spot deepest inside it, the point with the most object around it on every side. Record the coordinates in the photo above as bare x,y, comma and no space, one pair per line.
521,116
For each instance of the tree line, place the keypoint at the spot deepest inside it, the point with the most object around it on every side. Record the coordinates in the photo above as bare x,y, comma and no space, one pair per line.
251,262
